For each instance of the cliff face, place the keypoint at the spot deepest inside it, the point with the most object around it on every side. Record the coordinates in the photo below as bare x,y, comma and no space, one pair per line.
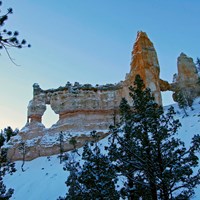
80,108
84,108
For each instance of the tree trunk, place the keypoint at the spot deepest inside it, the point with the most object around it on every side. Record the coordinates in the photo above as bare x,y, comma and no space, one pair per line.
23,162
131,192
153,191
150,171
163,184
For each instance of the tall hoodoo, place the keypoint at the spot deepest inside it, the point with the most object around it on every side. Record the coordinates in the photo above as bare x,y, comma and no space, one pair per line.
187,71
145,63
187,79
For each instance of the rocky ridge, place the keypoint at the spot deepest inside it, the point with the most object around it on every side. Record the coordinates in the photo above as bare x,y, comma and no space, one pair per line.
83,108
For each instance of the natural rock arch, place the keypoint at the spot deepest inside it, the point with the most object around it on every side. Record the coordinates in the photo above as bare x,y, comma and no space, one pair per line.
83,108
50,117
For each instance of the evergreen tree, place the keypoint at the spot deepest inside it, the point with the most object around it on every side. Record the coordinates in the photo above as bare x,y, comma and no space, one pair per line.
175,76
5,167
95,179
9,39
198,64
61,144
9,133
73,166
182,102
75,187
198,69
23,150
2,140
184,99
144,147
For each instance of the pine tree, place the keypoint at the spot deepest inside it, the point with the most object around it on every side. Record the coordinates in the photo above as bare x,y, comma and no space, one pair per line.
184,99
75,191
198,64
5,167
98,174
73,166
9,133
182,102
95,179
144,147
9,39
198,69
23,149
2,139
61,144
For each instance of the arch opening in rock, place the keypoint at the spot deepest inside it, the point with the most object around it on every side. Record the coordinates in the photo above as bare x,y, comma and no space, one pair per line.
50,117
167,98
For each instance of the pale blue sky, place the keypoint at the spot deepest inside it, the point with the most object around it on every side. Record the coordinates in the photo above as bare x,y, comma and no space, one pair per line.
89,41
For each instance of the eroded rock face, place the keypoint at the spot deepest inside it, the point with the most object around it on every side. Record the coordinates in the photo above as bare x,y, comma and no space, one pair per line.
83,108
46,142
145,63
187,72
187,78
36,109
79,108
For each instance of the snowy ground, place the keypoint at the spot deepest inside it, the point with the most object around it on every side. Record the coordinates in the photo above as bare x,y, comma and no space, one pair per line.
44,178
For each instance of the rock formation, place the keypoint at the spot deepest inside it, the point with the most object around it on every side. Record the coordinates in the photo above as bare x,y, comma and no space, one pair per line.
187,79
145,63
187,71
83,108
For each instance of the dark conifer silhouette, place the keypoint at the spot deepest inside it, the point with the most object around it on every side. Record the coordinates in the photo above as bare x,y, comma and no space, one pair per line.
146,151
8,38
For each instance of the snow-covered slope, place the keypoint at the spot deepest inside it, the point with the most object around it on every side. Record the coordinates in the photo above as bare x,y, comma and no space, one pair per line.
44,177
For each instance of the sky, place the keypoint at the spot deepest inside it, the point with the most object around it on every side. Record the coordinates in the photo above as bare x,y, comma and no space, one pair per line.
89,41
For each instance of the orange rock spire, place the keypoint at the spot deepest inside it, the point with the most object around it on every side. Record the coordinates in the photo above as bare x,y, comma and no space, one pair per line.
145,63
